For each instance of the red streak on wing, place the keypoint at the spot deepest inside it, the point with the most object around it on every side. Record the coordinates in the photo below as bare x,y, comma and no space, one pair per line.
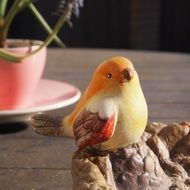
107,131
92,130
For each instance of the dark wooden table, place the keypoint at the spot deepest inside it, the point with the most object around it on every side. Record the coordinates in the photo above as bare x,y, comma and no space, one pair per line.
32,162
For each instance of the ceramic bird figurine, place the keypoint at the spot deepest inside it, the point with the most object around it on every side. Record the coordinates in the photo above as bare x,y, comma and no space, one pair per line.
111,114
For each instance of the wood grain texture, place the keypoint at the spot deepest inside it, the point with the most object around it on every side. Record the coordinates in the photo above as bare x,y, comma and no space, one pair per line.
35,179
30,161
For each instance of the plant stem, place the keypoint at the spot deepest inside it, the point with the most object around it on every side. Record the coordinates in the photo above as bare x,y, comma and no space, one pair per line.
10,56
3,5
17,6
61,21
44,24
10,15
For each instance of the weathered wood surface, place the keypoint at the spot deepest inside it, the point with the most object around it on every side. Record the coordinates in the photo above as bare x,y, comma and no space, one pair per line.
29,161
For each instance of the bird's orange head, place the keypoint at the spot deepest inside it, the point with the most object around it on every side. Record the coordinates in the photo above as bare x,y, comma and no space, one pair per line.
112,74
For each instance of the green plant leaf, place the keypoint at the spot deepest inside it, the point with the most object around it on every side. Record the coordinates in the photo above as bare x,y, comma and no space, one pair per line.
64,17
10,56
3,5
44,23
61,21
16,7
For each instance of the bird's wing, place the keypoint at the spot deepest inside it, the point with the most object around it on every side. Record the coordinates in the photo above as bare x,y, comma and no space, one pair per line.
90,129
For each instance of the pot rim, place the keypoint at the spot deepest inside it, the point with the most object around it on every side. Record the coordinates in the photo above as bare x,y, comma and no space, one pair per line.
21,43
22,46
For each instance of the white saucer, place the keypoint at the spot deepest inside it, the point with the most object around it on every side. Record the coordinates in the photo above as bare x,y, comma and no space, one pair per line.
49,95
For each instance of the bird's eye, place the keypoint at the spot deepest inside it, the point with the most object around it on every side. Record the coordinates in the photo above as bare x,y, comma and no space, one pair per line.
108,75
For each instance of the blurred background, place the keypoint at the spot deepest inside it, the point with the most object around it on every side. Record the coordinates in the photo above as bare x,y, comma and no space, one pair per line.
131,24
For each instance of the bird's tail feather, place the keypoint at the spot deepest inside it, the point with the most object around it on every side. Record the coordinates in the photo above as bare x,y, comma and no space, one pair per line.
44,124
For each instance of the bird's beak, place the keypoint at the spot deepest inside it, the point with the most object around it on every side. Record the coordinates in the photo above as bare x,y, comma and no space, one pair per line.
128,74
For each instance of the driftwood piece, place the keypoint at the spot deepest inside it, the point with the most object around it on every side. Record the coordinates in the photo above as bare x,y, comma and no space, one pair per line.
92,172
159,161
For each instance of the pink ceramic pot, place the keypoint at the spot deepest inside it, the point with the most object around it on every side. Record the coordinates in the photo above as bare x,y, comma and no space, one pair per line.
19,80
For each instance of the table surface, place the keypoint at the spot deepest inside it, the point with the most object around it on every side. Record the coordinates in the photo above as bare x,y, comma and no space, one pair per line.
32,162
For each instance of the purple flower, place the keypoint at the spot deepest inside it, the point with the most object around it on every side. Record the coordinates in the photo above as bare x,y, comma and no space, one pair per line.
77,5
74,4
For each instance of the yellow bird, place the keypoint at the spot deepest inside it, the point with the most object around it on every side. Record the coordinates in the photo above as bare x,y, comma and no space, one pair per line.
111,114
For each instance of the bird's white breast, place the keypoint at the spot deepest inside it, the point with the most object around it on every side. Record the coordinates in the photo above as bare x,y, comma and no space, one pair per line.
105,107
